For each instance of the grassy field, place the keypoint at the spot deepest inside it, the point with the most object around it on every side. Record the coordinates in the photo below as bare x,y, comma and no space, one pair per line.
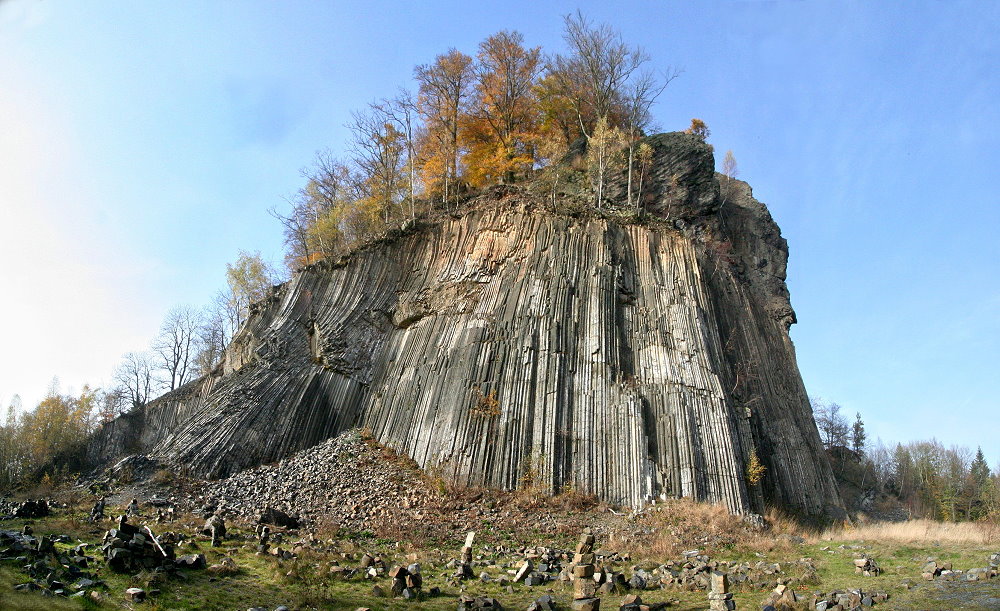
306,582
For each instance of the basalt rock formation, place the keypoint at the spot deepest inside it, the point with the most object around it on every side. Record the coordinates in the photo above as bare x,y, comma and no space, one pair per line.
514,343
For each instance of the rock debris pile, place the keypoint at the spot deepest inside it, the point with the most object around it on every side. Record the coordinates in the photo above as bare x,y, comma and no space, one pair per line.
51,571
341,482
787,598
406,581
130,549
468,603
695,573
945,571
27,509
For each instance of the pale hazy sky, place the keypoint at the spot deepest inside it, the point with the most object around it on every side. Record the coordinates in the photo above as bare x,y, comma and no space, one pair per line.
141,144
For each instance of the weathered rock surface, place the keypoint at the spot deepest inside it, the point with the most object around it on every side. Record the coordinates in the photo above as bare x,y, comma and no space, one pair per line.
623,360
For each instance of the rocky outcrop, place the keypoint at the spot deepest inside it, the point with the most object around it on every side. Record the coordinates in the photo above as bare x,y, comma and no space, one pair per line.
511,344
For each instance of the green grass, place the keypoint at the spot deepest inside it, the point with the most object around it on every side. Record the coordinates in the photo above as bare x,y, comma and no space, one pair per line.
901,562
306,582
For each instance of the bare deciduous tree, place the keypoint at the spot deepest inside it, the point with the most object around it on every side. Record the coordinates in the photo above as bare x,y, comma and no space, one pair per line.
833,427
594,76
312,227
134,376
176,345
111,403
402,112
213,337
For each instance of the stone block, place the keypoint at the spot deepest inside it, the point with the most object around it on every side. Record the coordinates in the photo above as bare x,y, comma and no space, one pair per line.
719,582
586,604
583,570
135,595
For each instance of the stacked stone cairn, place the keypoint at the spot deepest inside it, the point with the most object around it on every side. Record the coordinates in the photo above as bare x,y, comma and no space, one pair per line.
373,566
782,596
866,566
463,566
406,581
263,533
720,598
584,585
130,549
216,528
933,568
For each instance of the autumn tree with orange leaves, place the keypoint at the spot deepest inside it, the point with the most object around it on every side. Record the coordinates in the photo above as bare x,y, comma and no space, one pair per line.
444,88
501,126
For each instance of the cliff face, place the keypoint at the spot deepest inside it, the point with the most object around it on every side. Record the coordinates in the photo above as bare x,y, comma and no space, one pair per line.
623,360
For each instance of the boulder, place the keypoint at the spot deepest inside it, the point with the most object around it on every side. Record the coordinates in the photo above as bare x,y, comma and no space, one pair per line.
276,517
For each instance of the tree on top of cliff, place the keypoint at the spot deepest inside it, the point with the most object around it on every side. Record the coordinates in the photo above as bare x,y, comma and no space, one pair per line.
402,112
474,122
858,435
729,172
596,73
699,128
833,427
134,376
444,91
250,279
604,142
319,222
380,154
502,124
176,345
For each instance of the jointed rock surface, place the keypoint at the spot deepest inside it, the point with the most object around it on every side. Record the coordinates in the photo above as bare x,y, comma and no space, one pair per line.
512,344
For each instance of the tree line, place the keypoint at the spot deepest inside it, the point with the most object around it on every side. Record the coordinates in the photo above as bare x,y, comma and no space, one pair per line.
191,340
928,479
472,121
189,344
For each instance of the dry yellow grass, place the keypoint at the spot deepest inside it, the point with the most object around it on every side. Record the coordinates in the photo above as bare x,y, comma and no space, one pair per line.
675,525
918,531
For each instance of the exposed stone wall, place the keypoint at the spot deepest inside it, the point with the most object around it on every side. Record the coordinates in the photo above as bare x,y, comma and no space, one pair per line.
510,344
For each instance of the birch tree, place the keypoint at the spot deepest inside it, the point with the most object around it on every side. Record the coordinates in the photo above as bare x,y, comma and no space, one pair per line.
402,112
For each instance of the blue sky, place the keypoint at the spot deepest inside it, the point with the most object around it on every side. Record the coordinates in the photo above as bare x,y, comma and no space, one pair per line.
141,144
